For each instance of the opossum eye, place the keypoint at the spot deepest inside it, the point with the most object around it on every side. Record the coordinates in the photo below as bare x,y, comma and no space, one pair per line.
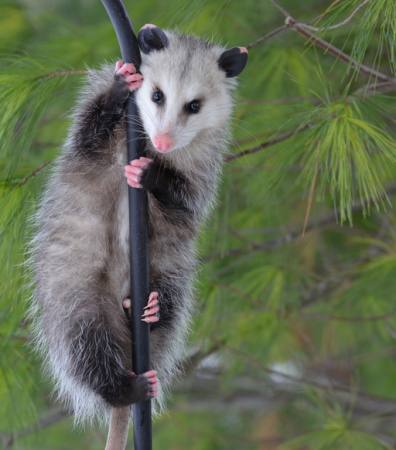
158,97
193,107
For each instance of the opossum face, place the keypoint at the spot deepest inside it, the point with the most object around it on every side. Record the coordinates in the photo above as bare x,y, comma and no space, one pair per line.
186,89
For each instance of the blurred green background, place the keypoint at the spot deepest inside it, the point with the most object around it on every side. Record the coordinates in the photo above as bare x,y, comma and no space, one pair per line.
294,339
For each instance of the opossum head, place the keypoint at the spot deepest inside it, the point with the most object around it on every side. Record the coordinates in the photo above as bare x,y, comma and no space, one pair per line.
187,87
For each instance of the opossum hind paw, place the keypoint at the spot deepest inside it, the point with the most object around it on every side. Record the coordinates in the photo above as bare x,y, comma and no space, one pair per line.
151,313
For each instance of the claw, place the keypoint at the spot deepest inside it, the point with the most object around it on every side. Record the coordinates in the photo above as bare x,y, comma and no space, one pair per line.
151,310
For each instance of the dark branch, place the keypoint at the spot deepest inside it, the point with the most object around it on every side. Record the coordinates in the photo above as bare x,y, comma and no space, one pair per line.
53,417
276,140
35,172
292,236
304,30
359,400
358,319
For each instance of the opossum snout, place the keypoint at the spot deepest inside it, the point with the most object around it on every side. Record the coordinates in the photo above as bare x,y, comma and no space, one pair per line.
163,142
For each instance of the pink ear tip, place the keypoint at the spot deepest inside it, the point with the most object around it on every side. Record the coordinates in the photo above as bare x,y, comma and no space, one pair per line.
243,50
149,25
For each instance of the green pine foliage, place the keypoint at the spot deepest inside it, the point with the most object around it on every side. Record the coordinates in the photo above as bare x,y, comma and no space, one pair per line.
293,342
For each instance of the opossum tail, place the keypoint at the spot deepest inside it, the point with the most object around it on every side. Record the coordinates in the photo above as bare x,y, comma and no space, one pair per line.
118,429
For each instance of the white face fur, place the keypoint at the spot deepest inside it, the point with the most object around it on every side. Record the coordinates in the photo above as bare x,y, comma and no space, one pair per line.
184,93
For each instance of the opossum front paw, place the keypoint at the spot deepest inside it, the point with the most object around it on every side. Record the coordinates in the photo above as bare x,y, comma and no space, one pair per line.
128,73
135,170
151,313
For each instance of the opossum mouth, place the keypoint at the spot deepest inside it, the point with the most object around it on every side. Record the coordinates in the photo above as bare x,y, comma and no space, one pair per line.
168,150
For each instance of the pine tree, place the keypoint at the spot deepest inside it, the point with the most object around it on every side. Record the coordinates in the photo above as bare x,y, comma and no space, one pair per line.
293,342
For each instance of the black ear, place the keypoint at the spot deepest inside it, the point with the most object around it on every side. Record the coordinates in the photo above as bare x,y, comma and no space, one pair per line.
151,37
233,61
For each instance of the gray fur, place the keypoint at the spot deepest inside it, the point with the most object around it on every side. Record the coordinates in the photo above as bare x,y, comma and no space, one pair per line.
79,254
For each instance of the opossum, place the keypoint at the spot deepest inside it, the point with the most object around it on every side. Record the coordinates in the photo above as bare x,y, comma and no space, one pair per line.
80,251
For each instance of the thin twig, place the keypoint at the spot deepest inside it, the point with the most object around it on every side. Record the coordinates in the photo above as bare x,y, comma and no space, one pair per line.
311,197
276,140
343,22
358,319
35,172
336,282
267,36
63,73
192,362
280,101
280,8
17,182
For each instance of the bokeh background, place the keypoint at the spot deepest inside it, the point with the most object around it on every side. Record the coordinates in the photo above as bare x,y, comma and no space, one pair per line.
294,339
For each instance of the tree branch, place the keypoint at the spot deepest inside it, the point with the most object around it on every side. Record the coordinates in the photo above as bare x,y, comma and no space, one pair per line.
35,172
53,417
276,140
192,361
358,319
292,236
252,393
63,73
375,88
304,30
18,182
358,400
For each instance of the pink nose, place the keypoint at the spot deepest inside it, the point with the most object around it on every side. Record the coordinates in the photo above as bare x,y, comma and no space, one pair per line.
163,142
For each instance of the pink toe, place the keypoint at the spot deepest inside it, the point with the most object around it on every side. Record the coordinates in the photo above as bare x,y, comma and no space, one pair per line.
134,185
127,303
136,171
135,85
141,162
146,160
133,77
136,163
